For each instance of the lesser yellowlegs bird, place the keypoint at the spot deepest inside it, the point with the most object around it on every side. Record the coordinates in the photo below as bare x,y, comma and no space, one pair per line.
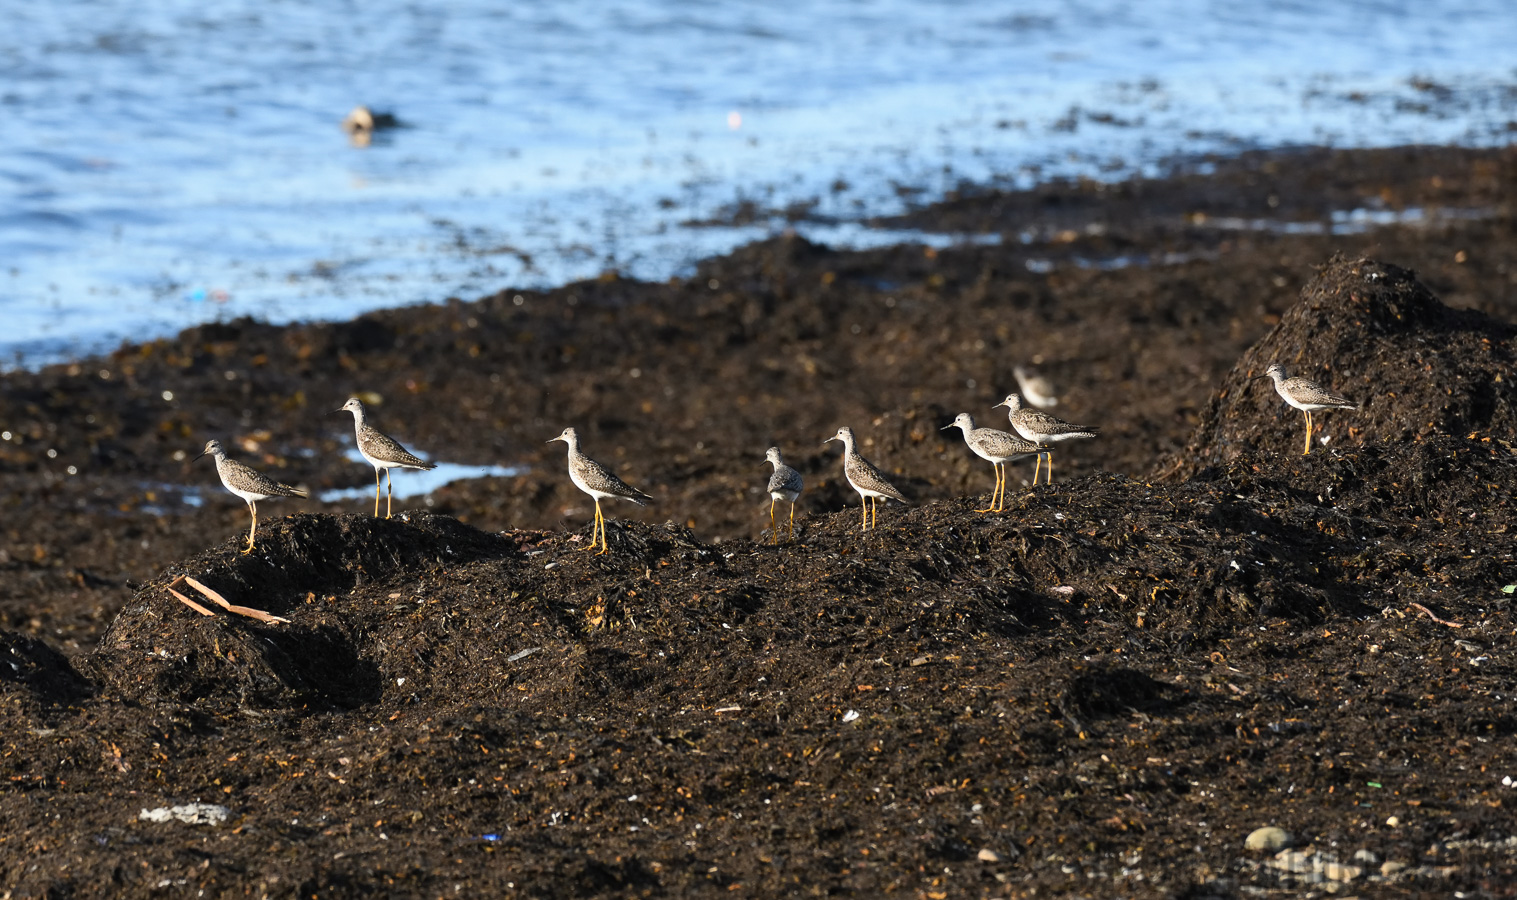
382,451
251,486
1042,429
1307,396
599,482
996,447
1038,390
784,484
864,477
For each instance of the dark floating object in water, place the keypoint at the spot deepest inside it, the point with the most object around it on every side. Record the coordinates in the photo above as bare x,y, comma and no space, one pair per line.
362,122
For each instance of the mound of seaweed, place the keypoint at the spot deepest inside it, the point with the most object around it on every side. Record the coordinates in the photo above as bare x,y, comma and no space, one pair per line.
1374,333
431,611
158,648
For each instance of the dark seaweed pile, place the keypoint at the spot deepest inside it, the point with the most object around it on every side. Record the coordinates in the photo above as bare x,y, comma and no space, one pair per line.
1195,632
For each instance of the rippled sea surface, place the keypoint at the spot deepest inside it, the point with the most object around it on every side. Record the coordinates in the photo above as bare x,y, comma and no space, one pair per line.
174,162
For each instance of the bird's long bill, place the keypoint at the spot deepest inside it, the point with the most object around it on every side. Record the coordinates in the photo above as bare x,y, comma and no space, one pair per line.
829,440
202,453
946,427
551,440
1257,377
1002,403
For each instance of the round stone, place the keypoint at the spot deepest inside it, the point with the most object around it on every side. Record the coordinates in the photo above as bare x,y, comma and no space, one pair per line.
1268,838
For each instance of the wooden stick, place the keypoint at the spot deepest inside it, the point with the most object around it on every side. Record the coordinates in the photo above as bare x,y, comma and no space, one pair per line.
191,603
258,614
210,594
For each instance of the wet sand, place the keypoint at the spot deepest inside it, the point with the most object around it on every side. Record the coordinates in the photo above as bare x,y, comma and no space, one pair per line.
1195,632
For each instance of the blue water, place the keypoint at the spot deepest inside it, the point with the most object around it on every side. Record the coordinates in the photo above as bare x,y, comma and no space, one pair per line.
172,162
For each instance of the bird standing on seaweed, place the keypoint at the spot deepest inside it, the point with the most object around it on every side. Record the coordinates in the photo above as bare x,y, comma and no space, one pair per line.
251,486
382,451
1042,429
1304,395
865,478
599,482
995,447
784,484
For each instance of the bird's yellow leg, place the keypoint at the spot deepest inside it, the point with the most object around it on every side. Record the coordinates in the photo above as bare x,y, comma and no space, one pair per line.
1037,467
254,530
991,509
1308,432
376,493
1000,504
864,526
992,506
1048,472
874,512
602,516
595,527
771,521
389,493
790,535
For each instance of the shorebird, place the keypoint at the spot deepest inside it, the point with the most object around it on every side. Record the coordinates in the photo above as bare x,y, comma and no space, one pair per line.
1305,396
1036,388
864,477
996,447
599,482
1042,429
382,451
251,486
784,484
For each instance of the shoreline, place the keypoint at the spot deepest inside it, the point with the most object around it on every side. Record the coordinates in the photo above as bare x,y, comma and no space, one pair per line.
1132,661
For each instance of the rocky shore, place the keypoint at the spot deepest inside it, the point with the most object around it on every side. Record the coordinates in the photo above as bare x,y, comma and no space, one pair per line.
1195,633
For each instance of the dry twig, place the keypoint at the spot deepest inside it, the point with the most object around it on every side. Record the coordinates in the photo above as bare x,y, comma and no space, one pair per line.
221,601
191,603
1429,613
